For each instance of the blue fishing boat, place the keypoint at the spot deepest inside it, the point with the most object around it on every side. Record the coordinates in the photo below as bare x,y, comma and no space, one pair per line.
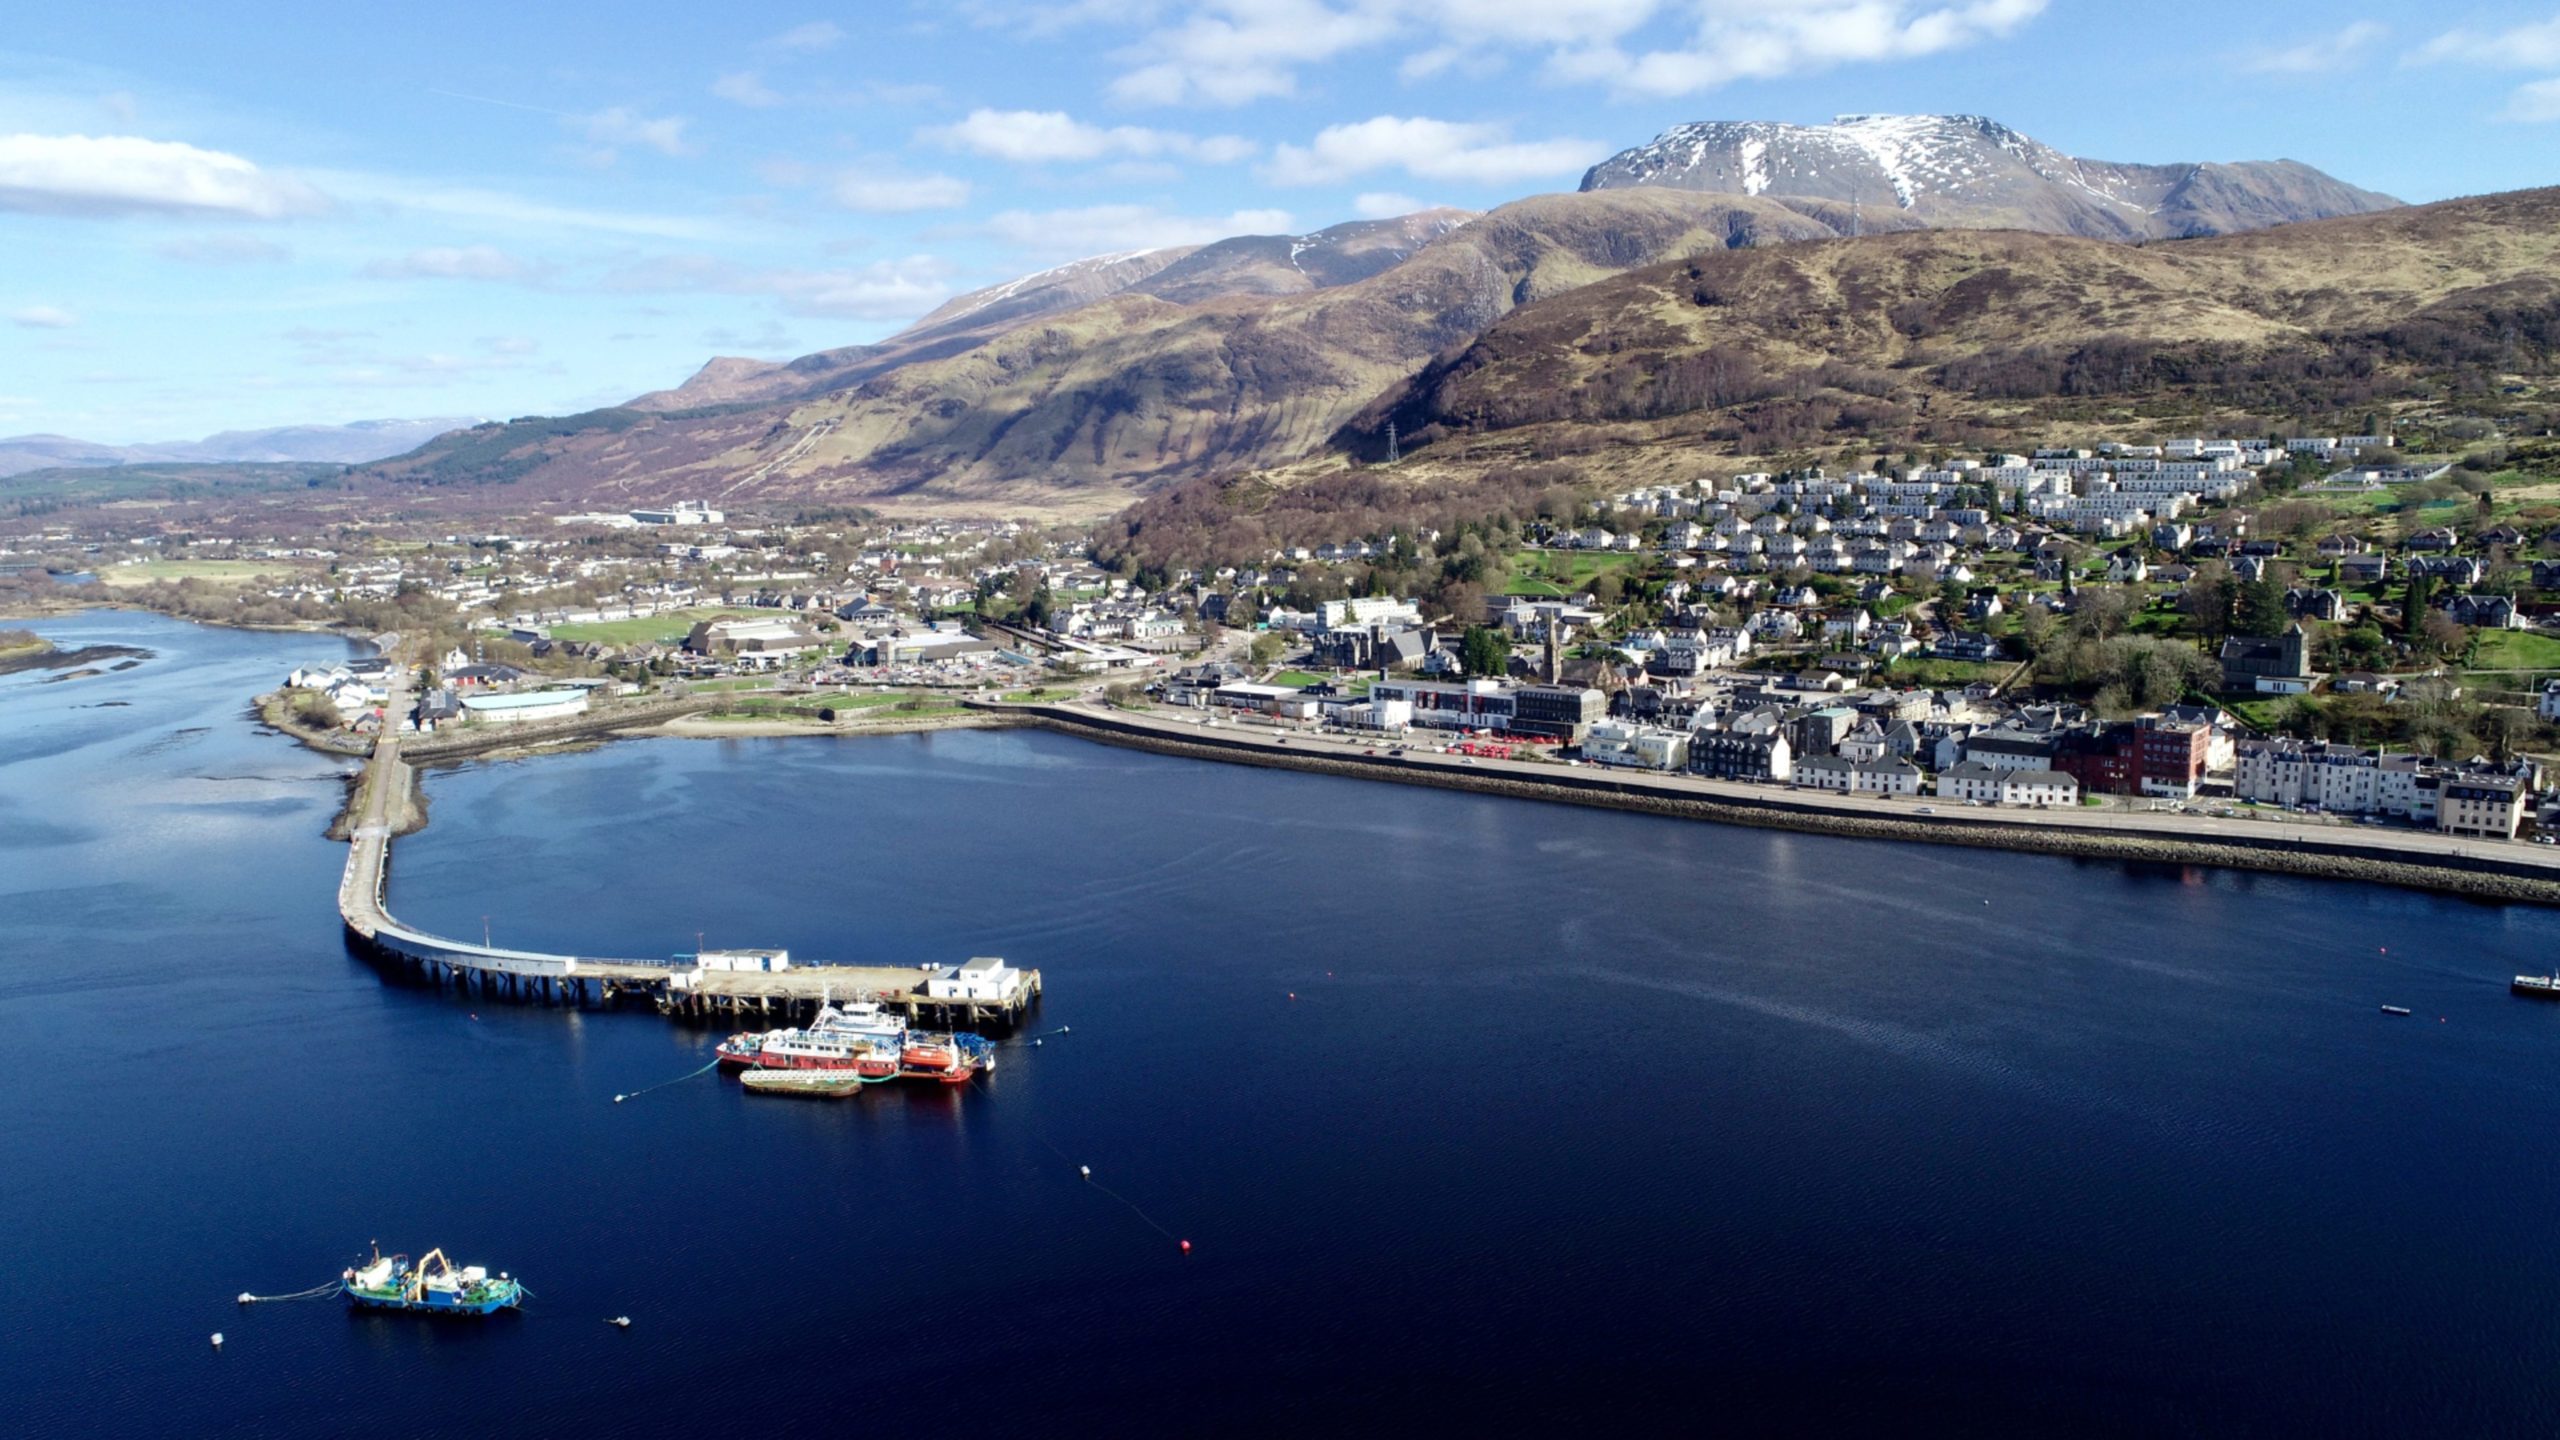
434,1285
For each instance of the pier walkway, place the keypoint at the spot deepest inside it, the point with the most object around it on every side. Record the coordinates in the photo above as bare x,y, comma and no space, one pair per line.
676,985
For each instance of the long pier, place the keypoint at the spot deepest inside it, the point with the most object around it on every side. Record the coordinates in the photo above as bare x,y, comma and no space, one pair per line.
675,988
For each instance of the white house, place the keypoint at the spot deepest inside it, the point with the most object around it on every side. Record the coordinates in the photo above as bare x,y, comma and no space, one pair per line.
982,977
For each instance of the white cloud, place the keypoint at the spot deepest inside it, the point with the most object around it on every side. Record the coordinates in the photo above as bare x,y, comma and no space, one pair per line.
2534,104
43,317
1229,52
1032,137
2324,54
883,290
1766,39
621,125
103,175
2524,47
808,39
454,262
896,194
1479,154
745,87
1110,229
1384,205
1234,51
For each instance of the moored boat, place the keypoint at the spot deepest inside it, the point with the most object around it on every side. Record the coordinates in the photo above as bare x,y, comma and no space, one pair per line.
953,1059
434,1285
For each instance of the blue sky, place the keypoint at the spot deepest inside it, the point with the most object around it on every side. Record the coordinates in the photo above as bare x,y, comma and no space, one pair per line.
234,216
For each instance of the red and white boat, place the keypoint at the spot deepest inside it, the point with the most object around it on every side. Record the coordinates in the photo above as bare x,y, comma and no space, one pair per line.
952,1059
839,1038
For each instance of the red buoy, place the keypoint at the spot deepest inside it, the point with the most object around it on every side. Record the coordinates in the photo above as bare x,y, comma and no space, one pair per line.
1186,1247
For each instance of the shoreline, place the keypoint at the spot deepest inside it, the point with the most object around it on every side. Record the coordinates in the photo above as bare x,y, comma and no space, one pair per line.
2480,878
2514,878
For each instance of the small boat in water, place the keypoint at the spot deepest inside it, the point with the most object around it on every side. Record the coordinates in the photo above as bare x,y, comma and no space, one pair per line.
952,1059
810,1084
433,1285
2395,1009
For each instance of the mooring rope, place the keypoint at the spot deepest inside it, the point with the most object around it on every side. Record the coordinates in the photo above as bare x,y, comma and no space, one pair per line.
663,1084
314,1293
1033,1129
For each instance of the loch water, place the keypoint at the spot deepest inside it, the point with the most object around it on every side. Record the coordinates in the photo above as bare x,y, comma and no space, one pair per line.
1481,1115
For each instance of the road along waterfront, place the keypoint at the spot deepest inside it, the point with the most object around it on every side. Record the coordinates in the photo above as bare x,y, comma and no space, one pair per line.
2424,860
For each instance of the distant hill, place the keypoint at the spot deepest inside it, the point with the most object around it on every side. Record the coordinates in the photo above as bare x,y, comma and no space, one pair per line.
1968,172
1185,275
1128,389
1944,336
1080,385
351,444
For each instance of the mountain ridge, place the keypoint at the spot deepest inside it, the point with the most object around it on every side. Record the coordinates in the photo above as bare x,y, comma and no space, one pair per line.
355,443
1972,172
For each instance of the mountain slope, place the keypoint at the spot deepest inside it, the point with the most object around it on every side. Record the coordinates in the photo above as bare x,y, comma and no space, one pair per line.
1939,335
1189,274
1965,171
351,444
1128,390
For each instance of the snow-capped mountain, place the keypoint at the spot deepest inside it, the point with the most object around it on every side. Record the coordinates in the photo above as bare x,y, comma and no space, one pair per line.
1971,172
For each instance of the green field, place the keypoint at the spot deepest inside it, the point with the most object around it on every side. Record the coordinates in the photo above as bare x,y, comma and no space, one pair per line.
663,628
1938,673
1554,574
1296,679
2515,650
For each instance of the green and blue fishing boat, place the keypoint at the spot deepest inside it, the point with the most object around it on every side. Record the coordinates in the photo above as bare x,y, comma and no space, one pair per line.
434,1285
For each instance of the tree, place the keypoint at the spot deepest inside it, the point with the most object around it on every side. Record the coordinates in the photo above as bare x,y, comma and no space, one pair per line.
2261,608
2413,605
1268,647
1485,650
2034,630
2211,600
2102,610
2442,632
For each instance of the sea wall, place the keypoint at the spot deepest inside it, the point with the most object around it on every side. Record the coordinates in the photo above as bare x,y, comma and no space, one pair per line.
2481,876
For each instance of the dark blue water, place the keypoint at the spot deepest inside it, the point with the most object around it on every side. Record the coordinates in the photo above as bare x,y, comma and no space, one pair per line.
1574,1115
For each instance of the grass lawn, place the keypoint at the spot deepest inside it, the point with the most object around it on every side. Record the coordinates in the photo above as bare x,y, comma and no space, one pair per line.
2259,714
667,627
1936,673
1037,696
2516,650
239,572
1553,574
1298,679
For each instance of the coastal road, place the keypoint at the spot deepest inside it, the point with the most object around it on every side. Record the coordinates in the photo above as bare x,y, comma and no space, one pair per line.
2417,846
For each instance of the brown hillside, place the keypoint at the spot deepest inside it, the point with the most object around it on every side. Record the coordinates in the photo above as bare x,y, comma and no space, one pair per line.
1936,334
1121,393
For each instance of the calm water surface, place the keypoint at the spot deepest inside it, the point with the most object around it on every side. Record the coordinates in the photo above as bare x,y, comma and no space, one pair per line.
1573,1116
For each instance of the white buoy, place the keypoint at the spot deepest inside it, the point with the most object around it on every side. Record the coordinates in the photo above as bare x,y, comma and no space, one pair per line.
217,1339
1085,1170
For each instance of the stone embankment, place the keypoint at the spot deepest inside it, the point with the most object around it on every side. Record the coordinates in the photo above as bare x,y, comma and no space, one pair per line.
2491,870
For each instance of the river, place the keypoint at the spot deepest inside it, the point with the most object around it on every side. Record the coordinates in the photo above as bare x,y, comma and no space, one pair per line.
1480,1114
